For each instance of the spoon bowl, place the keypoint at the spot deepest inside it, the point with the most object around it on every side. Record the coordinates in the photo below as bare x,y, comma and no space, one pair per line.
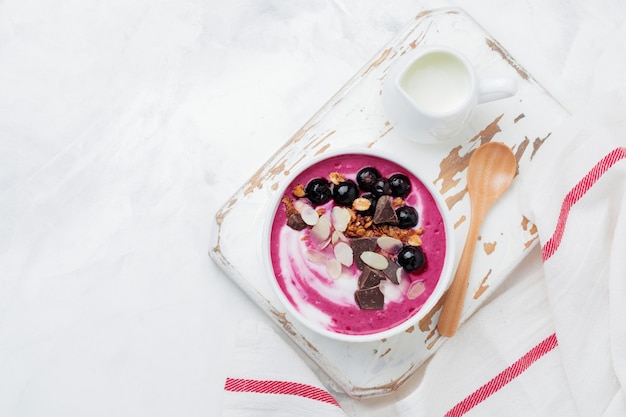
491,170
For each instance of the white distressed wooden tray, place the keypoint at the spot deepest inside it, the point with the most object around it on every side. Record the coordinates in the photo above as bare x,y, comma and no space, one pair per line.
354,117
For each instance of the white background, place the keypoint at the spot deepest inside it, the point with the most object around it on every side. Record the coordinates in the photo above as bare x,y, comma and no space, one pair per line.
125,125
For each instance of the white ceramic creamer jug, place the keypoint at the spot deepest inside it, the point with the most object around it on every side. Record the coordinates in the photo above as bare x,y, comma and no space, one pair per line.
430,93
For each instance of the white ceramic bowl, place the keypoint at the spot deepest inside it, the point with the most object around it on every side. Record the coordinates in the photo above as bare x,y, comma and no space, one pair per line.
328,305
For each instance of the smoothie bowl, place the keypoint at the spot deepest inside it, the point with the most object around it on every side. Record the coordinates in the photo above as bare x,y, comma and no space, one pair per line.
357,247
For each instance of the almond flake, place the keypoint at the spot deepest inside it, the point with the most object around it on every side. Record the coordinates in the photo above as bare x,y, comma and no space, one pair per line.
337,236
341,217
322,245
390,244
343,253
415,290
333,267
400,274
309,215
374,260
320,233
300,205
316,257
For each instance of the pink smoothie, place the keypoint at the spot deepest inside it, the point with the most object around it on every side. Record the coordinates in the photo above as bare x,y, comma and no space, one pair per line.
330,302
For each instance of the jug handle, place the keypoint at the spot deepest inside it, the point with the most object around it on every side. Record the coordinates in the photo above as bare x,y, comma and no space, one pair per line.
491,89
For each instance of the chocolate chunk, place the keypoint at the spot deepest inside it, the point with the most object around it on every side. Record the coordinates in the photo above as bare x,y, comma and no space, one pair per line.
370,299
391,272
385,213
296,223
360,245
369,278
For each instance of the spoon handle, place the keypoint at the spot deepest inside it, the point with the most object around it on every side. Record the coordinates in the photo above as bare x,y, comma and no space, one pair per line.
455,297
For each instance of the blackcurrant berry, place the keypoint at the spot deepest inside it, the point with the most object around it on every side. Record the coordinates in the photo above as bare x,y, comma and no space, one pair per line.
411,258
407,217
381,187
318,191
345,193
366,178
400,185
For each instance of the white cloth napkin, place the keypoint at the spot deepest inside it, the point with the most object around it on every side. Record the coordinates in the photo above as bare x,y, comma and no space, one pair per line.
551,341
575,194
268,378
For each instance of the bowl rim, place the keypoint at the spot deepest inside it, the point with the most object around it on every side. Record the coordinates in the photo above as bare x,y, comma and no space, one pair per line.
445,277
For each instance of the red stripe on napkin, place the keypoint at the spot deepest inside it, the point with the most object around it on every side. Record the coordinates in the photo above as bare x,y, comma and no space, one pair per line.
279,387
504,377
576,194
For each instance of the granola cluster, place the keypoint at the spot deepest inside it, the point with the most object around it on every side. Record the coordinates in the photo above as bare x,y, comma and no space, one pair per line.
363,226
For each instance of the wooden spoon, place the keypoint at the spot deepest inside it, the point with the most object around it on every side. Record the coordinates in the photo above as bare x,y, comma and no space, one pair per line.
490,172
